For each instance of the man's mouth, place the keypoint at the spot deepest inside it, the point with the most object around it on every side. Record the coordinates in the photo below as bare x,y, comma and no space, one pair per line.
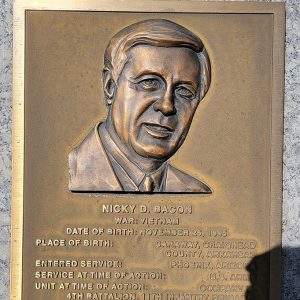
158,131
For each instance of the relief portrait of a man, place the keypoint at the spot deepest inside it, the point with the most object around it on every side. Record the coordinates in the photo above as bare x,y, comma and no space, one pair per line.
155,74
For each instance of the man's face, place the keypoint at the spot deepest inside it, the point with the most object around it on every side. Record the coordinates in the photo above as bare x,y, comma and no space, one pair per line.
155,100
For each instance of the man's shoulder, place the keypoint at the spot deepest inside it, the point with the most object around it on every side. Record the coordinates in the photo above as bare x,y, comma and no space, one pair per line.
89,167
90,170
178,181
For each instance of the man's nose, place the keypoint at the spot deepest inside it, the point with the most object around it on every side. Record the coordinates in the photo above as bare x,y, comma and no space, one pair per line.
166,104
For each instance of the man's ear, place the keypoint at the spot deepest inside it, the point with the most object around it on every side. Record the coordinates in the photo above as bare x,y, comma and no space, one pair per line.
109,86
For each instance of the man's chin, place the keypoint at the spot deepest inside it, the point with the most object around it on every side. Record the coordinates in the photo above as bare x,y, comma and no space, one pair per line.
155,152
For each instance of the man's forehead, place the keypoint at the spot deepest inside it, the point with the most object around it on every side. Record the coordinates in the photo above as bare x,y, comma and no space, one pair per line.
182,60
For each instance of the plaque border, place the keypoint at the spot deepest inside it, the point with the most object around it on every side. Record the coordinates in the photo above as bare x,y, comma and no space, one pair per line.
166,6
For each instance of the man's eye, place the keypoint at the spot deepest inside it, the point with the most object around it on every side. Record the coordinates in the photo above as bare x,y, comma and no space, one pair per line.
150,84
185,93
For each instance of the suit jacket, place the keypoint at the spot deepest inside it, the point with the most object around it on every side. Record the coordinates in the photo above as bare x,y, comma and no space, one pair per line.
90,170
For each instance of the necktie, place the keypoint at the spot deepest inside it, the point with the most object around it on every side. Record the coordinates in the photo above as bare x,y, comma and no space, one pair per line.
147,185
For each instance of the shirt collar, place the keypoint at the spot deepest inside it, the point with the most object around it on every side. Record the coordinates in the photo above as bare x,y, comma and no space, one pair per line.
132,170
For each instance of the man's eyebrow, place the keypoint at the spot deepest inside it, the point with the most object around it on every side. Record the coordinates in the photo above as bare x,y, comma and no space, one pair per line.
187,82
147,72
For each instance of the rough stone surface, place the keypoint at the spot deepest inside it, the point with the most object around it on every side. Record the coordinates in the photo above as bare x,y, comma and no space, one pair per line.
291,184
291,156
5,141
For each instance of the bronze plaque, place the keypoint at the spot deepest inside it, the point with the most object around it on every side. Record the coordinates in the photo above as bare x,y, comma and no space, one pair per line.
147,150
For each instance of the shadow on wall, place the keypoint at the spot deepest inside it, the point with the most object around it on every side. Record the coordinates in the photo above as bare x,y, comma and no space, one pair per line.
266,285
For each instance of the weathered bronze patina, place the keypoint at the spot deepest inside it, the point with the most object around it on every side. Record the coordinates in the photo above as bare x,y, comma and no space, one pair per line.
155,74
99,210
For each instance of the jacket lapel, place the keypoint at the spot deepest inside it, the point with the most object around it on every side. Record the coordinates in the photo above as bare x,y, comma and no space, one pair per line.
90,168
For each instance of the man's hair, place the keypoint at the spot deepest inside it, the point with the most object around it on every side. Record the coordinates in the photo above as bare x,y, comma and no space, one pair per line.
158,33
